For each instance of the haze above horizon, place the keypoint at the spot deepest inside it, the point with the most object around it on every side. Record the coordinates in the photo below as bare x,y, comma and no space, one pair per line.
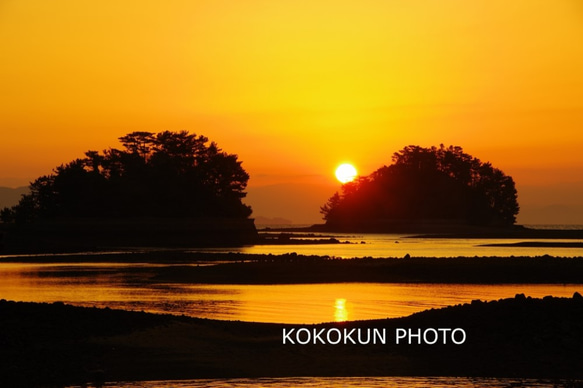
297,87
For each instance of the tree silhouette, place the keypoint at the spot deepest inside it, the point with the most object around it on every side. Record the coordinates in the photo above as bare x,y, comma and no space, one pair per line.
427,183
174,174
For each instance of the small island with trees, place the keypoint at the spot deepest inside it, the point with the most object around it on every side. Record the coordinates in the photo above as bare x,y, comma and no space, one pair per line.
161,189
423,187
178,190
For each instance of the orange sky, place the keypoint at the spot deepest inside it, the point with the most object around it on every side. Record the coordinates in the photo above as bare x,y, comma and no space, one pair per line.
297,87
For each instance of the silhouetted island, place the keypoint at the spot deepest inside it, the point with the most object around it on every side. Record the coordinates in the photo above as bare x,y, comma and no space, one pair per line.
164,189
425,189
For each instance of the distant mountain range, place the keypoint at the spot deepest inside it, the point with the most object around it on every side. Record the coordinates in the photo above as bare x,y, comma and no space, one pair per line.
287,203
10,196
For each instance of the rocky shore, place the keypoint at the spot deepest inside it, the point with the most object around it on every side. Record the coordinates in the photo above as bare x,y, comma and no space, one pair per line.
56,344
296,269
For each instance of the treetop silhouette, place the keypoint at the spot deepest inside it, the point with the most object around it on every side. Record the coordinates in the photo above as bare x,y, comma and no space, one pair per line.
174,174
436,183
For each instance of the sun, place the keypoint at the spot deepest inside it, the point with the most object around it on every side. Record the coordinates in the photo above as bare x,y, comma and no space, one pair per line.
346,173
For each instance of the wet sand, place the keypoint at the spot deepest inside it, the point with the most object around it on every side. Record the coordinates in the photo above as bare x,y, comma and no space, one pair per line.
42,344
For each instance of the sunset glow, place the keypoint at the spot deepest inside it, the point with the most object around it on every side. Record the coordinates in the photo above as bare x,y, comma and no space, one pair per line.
291,87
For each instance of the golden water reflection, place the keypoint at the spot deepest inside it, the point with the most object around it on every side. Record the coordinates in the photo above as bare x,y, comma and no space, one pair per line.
124,287
349,382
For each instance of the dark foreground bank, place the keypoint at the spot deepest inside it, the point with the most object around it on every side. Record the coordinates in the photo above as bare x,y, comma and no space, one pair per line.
44,344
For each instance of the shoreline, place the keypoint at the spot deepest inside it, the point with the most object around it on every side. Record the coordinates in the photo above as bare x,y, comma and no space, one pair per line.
178,266
440,230
101,238
56,344
295,269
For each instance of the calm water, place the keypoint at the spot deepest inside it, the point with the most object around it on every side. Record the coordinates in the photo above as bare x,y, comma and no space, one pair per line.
125,286
371,382
396,245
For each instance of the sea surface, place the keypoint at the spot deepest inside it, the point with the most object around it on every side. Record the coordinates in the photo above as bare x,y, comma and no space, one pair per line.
124,286
369,382
129,286
399,245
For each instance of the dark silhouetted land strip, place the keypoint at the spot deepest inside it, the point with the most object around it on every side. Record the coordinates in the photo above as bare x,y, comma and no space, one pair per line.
435,229
59,344
238,268
296,239
538,244
290,269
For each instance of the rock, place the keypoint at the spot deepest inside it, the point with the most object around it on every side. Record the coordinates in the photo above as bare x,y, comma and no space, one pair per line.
520,297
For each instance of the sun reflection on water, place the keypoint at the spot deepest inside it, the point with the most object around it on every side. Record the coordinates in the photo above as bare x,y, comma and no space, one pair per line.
340,311
129,287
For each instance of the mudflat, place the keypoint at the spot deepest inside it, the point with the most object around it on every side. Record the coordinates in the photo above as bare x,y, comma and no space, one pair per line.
44,344
239,268
295,269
